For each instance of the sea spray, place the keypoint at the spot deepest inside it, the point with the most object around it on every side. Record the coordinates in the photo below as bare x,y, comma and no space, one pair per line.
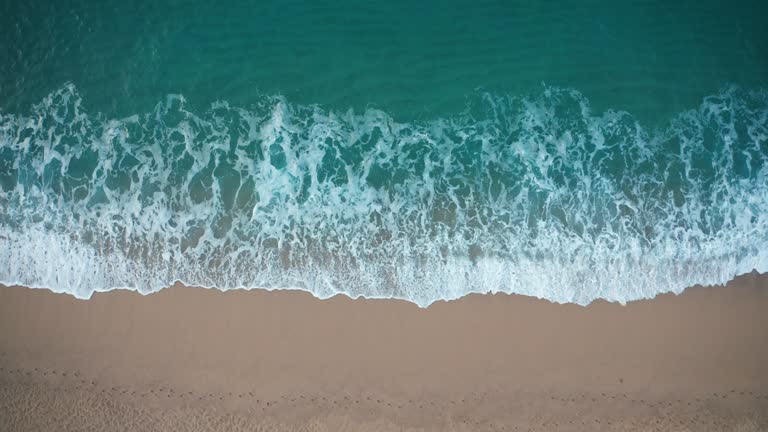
534,195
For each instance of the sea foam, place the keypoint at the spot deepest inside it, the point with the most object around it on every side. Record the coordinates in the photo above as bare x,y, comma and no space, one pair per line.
534,195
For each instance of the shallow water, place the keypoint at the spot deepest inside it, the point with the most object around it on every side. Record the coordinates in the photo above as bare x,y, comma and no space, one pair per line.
576,151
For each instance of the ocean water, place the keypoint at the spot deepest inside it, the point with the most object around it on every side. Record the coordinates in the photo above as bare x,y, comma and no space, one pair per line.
567,150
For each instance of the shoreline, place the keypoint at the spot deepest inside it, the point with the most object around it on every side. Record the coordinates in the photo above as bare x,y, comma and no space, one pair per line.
285,360
362,297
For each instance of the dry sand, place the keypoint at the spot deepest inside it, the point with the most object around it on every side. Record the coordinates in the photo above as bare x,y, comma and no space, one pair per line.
189,359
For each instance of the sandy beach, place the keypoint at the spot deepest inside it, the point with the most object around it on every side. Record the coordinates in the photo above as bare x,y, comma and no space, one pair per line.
189,359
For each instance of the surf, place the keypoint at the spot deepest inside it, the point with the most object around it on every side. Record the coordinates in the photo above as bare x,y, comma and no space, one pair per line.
528,194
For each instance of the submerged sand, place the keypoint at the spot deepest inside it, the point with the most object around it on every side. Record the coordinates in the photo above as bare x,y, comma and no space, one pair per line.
191,359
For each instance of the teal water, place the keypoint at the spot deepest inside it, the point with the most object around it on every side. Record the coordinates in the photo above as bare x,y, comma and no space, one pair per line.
566,150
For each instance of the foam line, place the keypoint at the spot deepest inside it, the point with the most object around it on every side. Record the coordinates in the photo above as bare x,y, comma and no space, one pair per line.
534,195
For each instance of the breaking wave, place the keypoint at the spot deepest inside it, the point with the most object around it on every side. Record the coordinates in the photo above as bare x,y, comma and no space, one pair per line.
535,195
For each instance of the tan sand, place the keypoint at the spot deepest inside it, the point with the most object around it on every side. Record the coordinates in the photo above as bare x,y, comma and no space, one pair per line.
189,359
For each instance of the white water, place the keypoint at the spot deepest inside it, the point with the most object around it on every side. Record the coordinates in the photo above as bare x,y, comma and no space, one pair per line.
537,196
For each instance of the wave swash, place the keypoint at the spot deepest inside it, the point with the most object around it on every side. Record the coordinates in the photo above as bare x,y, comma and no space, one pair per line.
531,195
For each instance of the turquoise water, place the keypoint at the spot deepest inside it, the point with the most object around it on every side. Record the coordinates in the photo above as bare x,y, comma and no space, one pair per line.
566,150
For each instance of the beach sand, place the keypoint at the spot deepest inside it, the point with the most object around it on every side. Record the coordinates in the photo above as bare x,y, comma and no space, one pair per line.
191,359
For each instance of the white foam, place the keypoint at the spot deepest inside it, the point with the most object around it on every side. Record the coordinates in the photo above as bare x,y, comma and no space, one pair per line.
537,196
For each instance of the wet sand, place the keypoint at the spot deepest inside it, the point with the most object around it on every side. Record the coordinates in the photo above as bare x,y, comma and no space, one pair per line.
191,359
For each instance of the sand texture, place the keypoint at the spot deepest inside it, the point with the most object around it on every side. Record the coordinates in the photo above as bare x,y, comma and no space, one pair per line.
191,359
